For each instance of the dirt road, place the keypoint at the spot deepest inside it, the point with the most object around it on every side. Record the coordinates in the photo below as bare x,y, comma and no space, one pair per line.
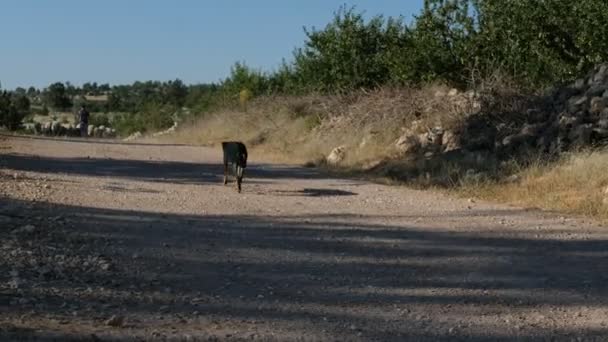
107,241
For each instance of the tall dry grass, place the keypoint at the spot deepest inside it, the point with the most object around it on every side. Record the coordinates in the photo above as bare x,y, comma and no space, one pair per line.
574,184
306,128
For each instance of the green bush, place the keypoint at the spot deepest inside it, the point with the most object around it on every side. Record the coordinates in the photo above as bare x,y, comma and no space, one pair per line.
153,118
244,79
10,116
349,53
126,124
99,119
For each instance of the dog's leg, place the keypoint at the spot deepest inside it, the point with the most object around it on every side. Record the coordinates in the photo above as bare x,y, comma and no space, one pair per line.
239,178
225,173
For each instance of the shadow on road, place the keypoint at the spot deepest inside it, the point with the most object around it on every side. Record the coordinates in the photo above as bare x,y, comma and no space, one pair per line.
316,272
308,192
154,171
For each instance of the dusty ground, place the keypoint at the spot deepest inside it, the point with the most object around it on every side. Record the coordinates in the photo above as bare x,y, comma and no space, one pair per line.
110,241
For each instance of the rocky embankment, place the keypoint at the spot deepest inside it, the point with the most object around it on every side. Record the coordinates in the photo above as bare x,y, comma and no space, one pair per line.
564,119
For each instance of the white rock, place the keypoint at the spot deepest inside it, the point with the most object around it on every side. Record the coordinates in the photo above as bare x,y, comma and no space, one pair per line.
337,155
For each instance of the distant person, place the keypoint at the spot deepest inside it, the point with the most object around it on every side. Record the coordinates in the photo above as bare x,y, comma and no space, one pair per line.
83,115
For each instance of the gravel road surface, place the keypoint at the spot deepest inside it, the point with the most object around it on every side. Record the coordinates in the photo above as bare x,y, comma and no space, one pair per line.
107,241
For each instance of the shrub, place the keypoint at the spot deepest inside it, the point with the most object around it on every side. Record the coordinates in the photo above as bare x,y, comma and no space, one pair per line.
126,124
99,119
10,116
153,118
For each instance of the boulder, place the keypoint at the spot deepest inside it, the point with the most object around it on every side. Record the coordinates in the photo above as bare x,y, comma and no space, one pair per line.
450,141
597,90
577,103
408,143
425,140
598,104
531,130
600,75
581,135
430,142
337,155
599,134
567,121
579,84
435,136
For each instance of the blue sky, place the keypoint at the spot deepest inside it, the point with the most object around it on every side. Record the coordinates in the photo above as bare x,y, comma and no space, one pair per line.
118,42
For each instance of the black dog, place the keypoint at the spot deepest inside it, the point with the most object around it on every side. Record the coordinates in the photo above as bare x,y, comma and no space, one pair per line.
235,153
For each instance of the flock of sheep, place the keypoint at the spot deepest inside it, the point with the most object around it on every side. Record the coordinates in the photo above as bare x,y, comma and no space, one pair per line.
55,128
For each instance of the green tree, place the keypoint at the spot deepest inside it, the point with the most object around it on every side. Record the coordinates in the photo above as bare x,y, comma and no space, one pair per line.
175,93
55,96
202,97
542,42
20,91
104,88
32,92
242,78
349,52
22,103
441,44
10,117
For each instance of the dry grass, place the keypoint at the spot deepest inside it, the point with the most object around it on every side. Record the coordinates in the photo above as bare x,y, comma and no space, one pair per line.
307,128
575,185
